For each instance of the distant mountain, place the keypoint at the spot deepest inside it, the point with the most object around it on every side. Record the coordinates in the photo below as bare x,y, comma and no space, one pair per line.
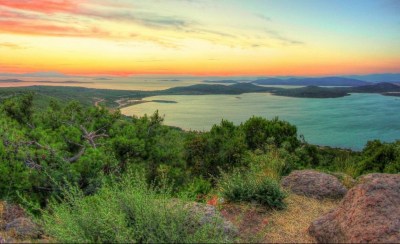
221,81
64,82
377,77
315,81
312,92
204,89
44,81
377,88
11,81
102,78
37,74
384,88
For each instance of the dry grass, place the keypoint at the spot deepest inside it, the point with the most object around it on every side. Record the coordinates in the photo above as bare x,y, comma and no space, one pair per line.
258,224
290,225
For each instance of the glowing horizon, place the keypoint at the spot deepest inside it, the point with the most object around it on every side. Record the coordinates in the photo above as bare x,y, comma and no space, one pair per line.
200,37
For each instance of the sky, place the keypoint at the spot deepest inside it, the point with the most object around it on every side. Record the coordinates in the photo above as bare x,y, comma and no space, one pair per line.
200,37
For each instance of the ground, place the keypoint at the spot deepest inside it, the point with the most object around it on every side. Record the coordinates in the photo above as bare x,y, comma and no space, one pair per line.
258,224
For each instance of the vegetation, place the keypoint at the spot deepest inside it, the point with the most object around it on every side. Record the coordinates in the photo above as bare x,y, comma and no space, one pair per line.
129,211
245,186
45,149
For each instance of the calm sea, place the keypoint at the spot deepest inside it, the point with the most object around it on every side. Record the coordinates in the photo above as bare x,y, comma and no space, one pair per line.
347,122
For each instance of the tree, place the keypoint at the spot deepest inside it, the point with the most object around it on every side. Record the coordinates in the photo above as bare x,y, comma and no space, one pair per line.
259,132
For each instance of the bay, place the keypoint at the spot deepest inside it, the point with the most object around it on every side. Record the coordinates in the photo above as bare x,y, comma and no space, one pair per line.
347,122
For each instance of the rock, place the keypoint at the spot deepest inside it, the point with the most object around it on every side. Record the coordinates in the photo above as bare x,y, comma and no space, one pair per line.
314,184
12,212
23,228
7,240
369,212
208,214
370,177
9,212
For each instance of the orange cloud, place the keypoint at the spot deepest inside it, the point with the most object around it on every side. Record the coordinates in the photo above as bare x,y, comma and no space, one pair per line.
31,28
43,6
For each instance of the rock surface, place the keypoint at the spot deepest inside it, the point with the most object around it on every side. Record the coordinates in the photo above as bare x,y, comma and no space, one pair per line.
208,214
314,184
15,225
23,228
369,212
9,212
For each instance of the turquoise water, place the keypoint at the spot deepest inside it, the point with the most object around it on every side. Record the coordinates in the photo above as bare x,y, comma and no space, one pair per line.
347,122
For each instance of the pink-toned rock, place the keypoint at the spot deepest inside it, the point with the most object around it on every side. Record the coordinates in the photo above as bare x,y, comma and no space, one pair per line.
23,228
370,212
314,184
9,212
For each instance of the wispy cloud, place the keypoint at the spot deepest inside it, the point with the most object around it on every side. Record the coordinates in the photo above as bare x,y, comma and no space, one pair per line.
276,35
147,19
12,45
48,29
263,17
44,6
73,18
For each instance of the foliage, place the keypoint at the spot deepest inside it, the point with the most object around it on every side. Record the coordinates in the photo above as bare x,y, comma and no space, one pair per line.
197,189
128,211
223,147
247,186
380,157
260,132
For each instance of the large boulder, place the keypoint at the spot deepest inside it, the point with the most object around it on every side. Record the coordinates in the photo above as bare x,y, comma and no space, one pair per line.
314,184
23,228
369,212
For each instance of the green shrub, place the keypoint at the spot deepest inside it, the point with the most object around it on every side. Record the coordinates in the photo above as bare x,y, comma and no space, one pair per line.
260,132
128,211
273,164
197,189
247,187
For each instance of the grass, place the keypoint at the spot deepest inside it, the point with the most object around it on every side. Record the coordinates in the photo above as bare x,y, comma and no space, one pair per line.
290,225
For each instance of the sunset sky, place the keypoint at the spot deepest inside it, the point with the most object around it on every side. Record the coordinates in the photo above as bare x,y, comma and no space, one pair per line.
200,37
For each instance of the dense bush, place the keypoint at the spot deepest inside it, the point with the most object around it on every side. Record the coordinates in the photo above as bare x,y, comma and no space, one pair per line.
259,132
81,145
246,186
129,211
380,157
223,147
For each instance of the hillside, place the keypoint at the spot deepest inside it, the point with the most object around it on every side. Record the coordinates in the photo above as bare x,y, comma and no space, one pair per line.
319,81
312,92
11,81
208,89
377,88
384,88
